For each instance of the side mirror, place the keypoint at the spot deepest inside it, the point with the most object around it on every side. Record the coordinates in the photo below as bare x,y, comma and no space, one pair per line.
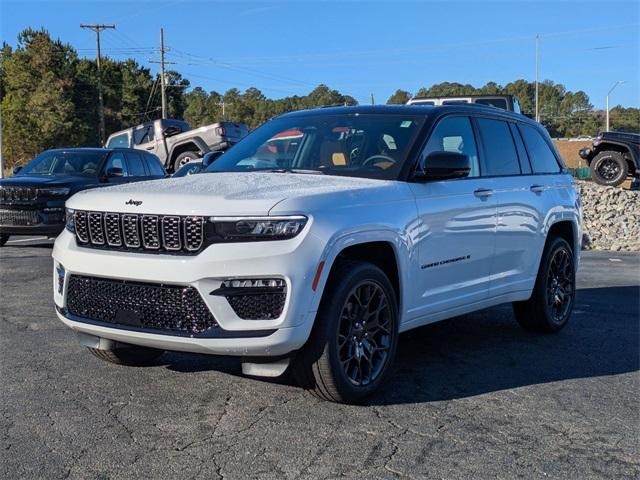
115,172
171,131
210,157
443,166
16,169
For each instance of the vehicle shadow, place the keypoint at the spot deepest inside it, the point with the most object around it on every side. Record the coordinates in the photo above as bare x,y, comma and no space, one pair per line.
487,351
41,244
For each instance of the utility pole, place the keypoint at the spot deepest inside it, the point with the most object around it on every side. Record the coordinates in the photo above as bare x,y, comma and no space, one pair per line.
619,82
98,27
1,161
373,102
537,76
163,83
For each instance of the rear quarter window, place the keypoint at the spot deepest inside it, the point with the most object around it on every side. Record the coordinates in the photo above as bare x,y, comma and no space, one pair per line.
541,156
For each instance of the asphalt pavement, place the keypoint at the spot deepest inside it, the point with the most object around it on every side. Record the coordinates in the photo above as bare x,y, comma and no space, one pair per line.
473,397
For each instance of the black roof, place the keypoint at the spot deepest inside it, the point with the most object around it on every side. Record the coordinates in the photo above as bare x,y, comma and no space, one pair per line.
92,149
427,110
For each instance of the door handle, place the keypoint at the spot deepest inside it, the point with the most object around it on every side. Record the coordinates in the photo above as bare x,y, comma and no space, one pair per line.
483,193
536,188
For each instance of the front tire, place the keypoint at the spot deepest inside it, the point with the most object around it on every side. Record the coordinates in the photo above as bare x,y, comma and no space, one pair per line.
130,355
3,239
549,308
354,339
609,168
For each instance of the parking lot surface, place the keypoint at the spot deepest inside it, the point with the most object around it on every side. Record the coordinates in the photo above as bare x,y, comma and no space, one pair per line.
474,397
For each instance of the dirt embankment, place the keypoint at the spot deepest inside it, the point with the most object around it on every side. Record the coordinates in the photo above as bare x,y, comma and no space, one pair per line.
569,152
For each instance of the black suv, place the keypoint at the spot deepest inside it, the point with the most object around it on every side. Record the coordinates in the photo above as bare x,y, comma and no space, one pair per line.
614,157
32,201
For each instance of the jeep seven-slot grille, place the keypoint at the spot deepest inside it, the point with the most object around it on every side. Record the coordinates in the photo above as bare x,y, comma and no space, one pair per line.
140,232
143,305
17,194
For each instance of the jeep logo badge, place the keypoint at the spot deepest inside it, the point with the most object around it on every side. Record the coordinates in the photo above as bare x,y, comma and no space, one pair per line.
131,201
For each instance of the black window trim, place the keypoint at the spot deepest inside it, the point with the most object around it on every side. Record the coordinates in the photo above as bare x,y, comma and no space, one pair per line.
425,140
515,148
561,167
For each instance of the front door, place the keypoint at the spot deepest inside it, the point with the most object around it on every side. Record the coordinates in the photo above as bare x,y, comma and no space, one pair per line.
457,226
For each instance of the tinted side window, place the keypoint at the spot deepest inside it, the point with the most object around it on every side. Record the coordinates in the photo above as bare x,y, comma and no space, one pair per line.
136,167
153,165
500,157
525,166
542,158
116,160
454,134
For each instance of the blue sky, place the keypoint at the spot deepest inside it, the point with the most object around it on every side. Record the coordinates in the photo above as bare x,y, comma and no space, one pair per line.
358,47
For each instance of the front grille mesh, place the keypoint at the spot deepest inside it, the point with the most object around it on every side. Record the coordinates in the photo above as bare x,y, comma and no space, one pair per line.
22,218
144,305
261,306
153,233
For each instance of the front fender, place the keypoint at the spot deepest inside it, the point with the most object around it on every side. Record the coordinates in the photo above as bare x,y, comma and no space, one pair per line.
399,242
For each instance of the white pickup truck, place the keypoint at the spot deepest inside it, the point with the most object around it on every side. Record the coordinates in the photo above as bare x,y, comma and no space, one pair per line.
320,237
175,143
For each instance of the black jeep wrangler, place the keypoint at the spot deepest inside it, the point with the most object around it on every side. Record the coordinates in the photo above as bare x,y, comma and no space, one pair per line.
614,157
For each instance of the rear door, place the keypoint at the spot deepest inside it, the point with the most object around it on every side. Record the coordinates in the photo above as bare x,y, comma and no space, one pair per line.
519,206
136,167
455,232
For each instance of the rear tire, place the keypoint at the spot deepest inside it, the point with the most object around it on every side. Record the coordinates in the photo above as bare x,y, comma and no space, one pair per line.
550,305
354,339
184,158
609,168
3,240
130,355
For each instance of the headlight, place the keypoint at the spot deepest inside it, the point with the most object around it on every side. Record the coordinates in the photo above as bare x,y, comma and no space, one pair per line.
70,223
54,192
246,229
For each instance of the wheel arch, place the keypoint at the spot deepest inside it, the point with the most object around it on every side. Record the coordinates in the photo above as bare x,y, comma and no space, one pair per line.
629,154
569,230
385,249
191,144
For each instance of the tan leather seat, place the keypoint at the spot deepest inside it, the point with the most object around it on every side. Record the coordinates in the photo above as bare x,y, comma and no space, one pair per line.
333,155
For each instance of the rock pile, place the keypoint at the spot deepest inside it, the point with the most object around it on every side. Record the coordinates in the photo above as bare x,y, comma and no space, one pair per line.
611,218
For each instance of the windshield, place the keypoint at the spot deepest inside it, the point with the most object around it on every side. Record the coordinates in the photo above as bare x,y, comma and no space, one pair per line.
64,163
370,146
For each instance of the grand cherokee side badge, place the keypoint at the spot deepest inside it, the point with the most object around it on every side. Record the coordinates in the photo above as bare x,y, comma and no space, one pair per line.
131,201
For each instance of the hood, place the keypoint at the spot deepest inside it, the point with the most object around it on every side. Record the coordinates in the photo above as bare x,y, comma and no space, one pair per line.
44,181
222,193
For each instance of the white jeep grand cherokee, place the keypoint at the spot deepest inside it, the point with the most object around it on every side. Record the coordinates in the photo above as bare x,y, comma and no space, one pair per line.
320,237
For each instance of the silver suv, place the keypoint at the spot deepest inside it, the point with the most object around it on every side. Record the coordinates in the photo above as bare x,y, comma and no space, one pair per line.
175,143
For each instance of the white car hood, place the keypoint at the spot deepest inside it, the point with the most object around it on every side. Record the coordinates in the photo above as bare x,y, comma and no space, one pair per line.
223,193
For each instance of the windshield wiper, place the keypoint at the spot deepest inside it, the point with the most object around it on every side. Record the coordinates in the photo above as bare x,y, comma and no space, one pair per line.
295,170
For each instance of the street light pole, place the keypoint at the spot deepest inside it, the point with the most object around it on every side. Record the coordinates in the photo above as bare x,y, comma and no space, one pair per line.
619,82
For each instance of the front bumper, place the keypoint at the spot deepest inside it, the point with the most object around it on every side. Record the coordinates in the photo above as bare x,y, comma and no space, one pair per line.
290,260
31,219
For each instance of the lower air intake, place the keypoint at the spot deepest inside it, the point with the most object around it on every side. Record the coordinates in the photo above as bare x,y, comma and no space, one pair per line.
143,305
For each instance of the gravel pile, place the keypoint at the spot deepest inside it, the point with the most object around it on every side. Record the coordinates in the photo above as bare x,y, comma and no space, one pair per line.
611,218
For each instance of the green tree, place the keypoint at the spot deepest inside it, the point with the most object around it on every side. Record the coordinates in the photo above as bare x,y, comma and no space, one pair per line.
38,109
400,97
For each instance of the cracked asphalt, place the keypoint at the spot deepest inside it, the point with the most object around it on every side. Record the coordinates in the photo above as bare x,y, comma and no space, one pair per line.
474,397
